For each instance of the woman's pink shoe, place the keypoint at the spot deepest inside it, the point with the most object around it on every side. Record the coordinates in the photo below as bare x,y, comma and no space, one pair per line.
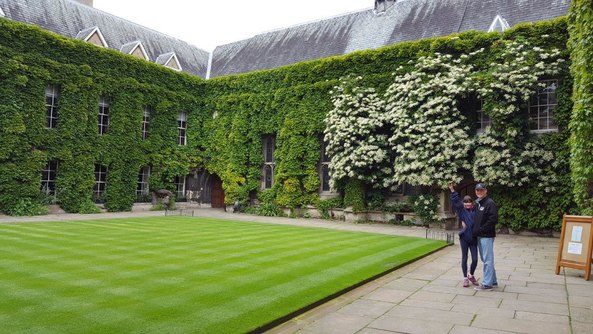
465,282
473,280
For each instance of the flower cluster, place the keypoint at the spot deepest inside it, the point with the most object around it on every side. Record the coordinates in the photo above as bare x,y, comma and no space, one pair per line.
426,207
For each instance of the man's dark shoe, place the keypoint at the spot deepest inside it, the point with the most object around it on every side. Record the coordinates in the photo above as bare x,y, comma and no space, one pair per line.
482,287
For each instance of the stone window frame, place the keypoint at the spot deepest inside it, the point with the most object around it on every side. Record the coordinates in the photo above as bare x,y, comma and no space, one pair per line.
269,149
52,93
142,187
103,121
101,172
146,122
182,129
537,107
483,120
48,178
179,182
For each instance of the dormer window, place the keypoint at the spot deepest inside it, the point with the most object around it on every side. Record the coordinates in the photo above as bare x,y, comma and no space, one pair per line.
169,60
499,24
135,49
382,5
92,35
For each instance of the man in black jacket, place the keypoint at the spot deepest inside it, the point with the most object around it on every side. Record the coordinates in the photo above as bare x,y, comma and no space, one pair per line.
485,230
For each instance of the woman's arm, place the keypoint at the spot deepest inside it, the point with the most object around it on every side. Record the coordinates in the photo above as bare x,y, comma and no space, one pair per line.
455,199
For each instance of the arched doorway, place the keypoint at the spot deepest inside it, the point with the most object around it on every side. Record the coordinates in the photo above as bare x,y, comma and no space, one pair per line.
204,188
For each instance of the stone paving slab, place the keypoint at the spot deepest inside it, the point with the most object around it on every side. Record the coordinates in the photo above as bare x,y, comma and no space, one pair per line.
542,317
338,323
366,308
519,325
410,325
388,295
427,305
472,308
582,314
474,330
581,328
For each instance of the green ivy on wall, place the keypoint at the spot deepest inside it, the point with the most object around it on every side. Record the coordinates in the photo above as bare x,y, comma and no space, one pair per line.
33,58
580,25
228,117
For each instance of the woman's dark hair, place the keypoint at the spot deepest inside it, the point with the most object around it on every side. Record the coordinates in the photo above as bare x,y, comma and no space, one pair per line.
467,199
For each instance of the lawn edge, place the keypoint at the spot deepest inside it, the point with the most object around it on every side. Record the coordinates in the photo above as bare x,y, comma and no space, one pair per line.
279,321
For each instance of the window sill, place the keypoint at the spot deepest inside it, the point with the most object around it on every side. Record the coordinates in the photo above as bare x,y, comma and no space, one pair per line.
543,131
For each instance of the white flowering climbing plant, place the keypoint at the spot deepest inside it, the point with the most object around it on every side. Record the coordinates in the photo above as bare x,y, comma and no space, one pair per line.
426,206
354,133
415,133
501,158
428,138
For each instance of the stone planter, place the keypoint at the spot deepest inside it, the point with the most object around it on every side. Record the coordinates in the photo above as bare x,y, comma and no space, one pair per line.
55,209
413,218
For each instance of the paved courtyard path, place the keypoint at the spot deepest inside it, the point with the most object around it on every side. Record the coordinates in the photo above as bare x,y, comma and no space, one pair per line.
427,297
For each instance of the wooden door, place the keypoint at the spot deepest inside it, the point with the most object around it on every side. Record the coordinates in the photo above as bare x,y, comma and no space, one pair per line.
217,192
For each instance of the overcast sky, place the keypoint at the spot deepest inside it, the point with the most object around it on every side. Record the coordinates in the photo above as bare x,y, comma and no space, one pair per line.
208,23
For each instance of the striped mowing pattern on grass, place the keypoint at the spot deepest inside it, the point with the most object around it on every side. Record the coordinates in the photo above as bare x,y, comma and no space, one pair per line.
179,274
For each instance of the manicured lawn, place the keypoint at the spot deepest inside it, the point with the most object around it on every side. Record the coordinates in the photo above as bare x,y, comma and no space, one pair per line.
179,274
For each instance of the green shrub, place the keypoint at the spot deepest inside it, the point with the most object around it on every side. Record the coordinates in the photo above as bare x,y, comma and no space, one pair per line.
354,195
27,207
324,205
88,207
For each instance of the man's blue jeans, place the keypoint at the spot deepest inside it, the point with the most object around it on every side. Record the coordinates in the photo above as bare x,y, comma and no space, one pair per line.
486,247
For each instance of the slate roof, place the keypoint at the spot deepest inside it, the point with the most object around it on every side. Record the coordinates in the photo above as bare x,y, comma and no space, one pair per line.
405,20
69,18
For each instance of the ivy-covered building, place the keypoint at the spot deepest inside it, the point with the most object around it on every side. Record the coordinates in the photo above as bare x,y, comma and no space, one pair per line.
107,111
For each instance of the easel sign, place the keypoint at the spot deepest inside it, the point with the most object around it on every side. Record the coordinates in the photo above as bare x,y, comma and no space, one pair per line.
576,244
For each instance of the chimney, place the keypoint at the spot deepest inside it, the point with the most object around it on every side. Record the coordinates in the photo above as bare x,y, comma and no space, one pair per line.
382,5
86,2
